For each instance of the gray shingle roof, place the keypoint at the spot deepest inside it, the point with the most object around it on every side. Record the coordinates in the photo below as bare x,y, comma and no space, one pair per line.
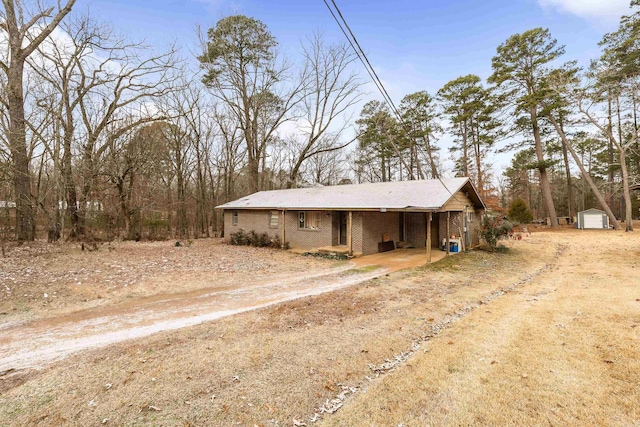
421,195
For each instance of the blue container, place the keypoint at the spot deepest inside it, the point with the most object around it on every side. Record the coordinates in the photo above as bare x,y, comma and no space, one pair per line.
453,247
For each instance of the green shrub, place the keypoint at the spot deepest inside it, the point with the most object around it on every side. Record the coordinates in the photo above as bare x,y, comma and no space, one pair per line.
494,228
262,240
252,238
519,212
239,238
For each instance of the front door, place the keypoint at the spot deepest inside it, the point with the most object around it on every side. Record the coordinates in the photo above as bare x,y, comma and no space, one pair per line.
343,228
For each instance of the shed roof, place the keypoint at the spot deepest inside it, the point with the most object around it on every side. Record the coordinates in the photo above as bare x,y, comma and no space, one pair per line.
593,210
402,195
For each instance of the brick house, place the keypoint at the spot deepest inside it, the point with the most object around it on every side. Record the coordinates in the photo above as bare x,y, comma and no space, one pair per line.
360,217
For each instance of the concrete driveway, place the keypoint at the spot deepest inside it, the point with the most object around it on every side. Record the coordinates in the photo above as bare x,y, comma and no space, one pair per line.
399,259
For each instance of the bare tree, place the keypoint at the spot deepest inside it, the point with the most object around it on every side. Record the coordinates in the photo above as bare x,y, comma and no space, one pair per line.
230,154
24,32
103,85
128,161
182,133
331,89
59,63
191,139
325,168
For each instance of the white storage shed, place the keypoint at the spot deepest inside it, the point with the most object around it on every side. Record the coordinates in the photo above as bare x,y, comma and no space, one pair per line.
592,219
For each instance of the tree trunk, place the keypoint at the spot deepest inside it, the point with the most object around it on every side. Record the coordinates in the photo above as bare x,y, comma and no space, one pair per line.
70,187
125,209
25,214
585,175
418,166
570,195
567,168
628,218
610,174
432,161
544,179
20,47
478,158
169,208
635,130
465,151
253,166
181,227
384,168
620,150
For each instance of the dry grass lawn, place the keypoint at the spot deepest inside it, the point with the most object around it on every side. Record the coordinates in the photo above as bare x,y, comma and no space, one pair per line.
548,333
563,350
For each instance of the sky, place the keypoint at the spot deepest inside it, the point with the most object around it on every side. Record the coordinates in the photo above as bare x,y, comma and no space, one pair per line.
413,45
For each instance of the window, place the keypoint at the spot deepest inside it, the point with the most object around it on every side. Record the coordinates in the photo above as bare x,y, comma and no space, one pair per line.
274,219
309,220
234,218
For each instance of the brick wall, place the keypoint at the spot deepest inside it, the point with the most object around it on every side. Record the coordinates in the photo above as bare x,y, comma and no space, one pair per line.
416,232
456,224
258,221
377,224
357,232
300,238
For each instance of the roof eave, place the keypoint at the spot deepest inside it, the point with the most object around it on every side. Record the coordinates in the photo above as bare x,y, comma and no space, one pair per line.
340,208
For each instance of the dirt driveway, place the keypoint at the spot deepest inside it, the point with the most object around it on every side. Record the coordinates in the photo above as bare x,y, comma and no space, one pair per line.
35,343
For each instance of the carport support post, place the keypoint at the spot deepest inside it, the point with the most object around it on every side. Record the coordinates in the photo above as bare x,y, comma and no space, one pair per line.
283,238
428,236
448,221
350,233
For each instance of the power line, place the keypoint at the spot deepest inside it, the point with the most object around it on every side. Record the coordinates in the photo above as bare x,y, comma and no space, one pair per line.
357,48
357,52
353,41
355,45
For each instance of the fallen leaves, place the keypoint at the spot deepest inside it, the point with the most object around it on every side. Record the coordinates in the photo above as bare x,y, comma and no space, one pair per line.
65,277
